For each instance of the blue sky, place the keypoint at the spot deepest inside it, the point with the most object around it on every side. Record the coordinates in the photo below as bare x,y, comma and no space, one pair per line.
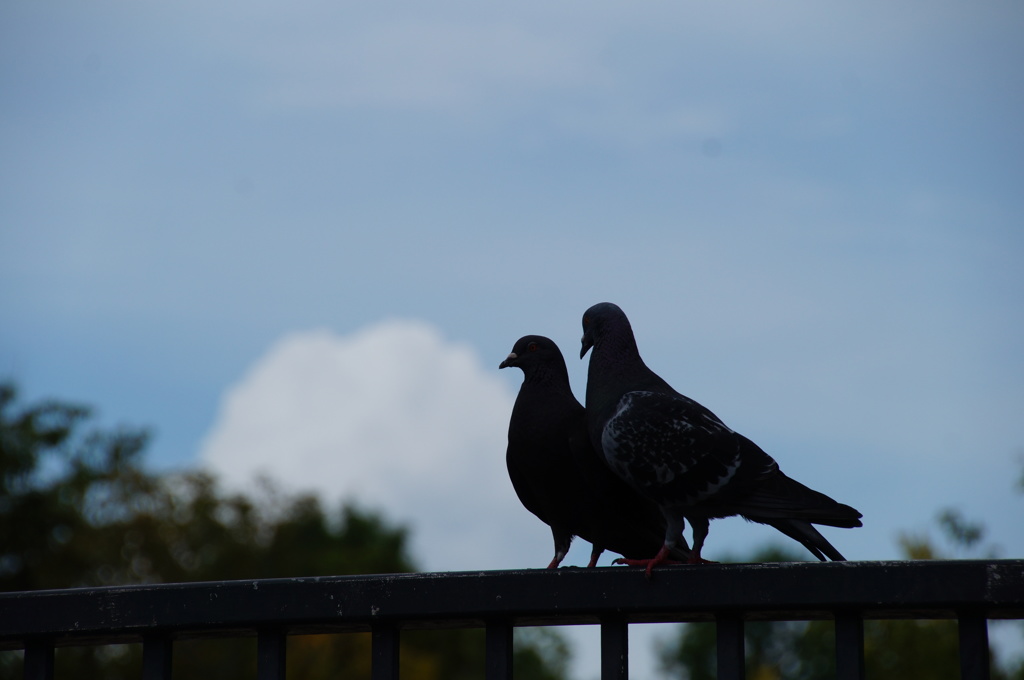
811,213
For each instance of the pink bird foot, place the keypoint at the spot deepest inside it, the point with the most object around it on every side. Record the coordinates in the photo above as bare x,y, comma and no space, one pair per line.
661,558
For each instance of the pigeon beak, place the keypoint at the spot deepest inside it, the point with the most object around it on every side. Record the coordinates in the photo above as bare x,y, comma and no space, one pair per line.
510,360
587,344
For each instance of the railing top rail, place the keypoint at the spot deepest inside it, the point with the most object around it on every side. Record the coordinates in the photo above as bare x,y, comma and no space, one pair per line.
923,589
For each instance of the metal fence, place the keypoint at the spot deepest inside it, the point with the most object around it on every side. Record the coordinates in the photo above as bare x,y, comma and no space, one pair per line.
969,591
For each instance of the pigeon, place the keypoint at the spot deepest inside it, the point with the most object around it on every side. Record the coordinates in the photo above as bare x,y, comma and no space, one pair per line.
683,457
557,474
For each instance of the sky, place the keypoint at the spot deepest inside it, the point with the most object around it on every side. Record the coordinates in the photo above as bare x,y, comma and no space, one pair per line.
298,239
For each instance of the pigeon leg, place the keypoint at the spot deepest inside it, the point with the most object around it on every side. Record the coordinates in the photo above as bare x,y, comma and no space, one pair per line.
700,532
563,539
594,554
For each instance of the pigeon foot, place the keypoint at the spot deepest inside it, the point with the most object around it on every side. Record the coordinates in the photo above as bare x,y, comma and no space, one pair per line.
661,558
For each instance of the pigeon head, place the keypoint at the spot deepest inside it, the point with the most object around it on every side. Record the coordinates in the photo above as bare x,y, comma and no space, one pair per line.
531,351
598,321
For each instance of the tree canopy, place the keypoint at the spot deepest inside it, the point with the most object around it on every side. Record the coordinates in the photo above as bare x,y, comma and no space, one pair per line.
79,508
805,650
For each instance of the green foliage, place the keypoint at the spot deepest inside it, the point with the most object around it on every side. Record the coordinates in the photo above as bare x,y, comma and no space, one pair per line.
77,508
963,532
539,654
785,649
925,650
893,649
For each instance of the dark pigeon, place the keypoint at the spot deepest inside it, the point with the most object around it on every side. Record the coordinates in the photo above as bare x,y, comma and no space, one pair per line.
683,457
557,474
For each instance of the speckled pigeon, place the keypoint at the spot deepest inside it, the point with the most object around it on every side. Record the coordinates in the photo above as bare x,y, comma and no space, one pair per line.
557,474
682,456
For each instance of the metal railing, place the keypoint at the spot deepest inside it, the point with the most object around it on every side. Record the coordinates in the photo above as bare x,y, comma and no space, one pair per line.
970,591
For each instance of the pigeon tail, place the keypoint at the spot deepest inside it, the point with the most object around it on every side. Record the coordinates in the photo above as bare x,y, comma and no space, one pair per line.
806,534
783,498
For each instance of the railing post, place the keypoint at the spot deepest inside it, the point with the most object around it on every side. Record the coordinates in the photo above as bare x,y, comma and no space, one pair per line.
614,648
39,660
157,649
731,657
271,646
499,651
973,628
849,646
384,652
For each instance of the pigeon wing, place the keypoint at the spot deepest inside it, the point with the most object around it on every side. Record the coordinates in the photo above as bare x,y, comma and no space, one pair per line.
678,452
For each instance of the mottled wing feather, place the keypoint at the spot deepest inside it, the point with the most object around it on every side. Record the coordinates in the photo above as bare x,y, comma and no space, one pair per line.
678,452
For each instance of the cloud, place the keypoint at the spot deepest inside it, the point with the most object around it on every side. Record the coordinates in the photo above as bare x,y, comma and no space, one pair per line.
392,415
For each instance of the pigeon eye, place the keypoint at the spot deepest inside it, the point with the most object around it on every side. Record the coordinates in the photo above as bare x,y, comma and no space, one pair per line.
532,347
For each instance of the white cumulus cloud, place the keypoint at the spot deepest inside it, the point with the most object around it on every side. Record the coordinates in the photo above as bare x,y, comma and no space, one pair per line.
393,416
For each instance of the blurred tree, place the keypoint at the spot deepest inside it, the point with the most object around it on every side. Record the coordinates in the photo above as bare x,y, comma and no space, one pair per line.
540,654
900,650
788,649
77,508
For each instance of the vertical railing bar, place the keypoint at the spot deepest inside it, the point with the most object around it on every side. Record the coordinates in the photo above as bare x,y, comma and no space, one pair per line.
38,660
384,652
157,650
271,648
614,648
974,651
729,635
498,657
849,645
